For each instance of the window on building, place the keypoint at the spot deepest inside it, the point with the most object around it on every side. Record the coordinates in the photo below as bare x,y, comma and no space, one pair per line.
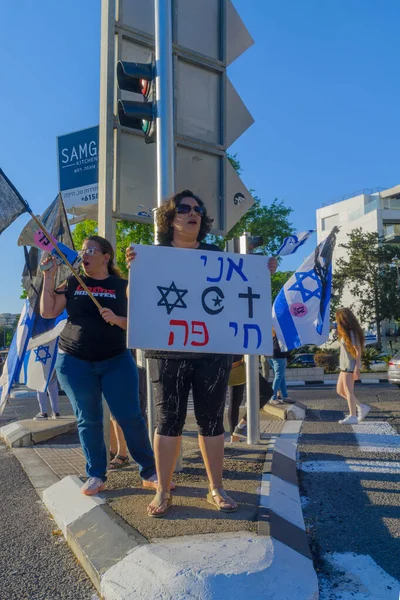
329,222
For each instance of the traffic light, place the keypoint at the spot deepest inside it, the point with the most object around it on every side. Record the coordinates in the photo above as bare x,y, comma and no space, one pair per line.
138,78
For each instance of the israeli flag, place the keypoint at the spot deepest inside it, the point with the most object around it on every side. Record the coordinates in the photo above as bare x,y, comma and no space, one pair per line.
300,314
16,353
38,366
293,242
46,330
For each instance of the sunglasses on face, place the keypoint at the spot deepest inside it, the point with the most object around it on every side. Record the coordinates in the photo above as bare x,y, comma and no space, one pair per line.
89,251
185,209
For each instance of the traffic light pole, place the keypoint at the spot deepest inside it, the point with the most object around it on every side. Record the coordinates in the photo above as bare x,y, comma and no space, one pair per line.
107,225
252,384
165,135
164,102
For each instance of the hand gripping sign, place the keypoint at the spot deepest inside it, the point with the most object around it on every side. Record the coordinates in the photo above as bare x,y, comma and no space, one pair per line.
199,301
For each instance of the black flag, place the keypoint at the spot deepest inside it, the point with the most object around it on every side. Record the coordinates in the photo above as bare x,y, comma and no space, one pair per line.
11,202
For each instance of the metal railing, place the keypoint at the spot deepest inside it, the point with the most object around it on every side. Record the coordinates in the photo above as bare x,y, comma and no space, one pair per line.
368,191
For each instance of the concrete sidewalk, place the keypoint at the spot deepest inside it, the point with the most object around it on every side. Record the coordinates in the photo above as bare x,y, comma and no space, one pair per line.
195,551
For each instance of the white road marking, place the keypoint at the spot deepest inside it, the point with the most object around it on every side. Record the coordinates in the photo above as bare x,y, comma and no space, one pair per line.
351,466
358,577
375,436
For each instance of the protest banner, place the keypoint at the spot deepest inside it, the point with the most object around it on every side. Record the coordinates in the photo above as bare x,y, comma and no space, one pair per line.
199,301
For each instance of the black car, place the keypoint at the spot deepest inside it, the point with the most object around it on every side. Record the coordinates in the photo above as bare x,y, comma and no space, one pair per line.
302,360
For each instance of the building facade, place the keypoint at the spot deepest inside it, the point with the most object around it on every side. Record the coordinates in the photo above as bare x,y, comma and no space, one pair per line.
8,319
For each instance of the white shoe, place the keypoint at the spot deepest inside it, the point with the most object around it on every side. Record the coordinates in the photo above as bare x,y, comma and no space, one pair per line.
362,411
93,486
41,417
349,420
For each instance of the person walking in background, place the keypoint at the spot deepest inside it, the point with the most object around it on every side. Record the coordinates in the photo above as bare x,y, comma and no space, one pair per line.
351,338
43,397
93,360
237,384
278,364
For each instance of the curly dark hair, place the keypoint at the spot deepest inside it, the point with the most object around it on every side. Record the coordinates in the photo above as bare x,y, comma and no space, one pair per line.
166,214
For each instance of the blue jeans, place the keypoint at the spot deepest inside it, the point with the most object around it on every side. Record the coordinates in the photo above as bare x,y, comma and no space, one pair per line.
116,379
279,367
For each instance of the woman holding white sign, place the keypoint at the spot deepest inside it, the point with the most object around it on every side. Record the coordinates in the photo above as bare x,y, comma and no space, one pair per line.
183,222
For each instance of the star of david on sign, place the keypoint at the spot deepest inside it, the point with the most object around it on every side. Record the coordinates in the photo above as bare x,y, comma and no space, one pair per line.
166,291
307,294
42,354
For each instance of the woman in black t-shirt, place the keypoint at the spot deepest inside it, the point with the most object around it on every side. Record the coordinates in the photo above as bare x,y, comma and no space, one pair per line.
182,222
93,360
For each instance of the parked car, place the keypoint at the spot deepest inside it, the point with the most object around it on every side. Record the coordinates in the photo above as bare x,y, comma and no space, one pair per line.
302,360
394,370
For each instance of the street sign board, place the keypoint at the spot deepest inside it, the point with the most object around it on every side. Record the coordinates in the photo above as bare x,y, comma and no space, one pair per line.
78,174
209,115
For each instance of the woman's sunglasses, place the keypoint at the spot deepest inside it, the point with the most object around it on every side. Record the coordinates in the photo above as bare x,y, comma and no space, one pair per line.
185,209
88,251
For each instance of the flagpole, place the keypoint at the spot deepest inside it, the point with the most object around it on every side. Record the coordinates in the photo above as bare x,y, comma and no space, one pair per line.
64,258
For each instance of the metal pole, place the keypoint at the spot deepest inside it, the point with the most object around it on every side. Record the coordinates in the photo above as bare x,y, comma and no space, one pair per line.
252,384
106,222
106,129
164,119
165,98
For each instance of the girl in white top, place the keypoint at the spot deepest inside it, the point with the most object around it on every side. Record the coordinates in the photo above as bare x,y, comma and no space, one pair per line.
351,339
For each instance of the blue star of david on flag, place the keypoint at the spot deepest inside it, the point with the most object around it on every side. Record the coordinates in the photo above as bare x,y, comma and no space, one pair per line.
306,294
42,354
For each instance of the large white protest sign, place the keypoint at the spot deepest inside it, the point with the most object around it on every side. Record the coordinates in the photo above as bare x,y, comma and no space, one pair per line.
199,301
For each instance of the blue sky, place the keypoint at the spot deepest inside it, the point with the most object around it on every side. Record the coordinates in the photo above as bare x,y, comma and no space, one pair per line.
321,82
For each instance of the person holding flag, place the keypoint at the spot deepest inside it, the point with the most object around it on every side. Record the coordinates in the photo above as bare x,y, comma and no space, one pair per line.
93,360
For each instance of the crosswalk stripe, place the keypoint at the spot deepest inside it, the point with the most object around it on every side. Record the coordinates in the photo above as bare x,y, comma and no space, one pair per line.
351,466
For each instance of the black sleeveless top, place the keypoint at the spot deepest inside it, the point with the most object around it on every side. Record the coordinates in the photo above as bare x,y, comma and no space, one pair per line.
86,335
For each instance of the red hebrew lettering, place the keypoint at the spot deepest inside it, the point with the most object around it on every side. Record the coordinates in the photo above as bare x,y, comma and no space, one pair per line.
174,323
203,331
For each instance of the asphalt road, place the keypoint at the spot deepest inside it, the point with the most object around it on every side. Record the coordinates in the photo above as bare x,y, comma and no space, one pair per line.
35,561
350,483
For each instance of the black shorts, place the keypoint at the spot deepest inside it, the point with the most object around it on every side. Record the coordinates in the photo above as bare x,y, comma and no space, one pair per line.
208,377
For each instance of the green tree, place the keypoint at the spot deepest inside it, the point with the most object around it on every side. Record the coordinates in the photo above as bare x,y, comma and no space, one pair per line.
127,233
278,280
270,221
369,274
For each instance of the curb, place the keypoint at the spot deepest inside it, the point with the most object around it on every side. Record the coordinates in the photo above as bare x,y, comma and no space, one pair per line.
286,411
122,564
28,432
299,382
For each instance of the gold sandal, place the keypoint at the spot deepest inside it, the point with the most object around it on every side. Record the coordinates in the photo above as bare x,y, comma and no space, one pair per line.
212,499
159,498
